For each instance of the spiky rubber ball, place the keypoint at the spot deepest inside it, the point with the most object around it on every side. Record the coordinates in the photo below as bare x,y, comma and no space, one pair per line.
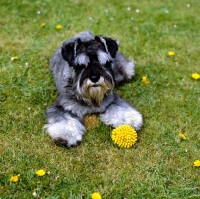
124,136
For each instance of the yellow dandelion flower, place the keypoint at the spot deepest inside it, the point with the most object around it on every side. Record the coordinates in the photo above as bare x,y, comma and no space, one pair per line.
182,136
59,27
15,178
144,80
96,195
195,76
41,172
197,163
14,58
42,25
171,53
124,136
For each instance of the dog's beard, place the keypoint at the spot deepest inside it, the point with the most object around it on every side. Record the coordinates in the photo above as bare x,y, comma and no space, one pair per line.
94,93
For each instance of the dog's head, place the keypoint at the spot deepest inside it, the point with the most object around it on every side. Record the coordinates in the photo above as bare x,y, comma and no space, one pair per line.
93,68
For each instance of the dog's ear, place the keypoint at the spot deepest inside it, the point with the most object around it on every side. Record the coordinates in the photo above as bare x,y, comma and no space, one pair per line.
68,51
111,45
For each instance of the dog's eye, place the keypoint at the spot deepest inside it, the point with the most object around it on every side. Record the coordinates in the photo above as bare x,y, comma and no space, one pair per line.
108,64
79,67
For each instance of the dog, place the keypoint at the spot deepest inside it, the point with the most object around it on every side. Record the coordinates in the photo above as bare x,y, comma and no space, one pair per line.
86,69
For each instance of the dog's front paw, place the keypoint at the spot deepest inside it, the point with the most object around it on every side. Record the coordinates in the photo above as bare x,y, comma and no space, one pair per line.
66,133
122,113
65,143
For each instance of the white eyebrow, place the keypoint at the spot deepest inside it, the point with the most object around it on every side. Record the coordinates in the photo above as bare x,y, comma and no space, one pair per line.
103,57
82,59
104,42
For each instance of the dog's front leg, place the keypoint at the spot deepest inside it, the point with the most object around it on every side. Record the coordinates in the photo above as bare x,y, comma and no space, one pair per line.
121,112
63,127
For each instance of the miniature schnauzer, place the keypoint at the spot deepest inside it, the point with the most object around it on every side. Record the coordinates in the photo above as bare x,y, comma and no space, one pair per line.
86,70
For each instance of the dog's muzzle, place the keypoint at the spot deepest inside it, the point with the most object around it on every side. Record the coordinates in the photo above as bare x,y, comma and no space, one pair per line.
94,89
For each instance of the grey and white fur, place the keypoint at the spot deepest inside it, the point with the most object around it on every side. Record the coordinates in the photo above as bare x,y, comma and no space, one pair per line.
86,70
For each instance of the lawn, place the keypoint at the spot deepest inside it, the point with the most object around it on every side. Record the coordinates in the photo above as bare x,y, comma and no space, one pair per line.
161,164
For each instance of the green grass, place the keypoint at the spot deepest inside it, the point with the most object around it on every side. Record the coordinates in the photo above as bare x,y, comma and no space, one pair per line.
159,165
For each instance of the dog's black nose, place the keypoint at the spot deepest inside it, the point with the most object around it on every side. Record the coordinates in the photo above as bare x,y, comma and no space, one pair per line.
94,78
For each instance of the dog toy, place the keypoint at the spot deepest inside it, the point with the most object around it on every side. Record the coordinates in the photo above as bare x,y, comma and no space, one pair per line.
124,136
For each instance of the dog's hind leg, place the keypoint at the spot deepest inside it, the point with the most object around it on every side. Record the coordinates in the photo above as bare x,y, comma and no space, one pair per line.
121,112
123,69
63,127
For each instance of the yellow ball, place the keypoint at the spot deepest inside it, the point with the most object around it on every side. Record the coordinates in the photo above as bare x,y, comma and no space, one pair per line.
124,136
